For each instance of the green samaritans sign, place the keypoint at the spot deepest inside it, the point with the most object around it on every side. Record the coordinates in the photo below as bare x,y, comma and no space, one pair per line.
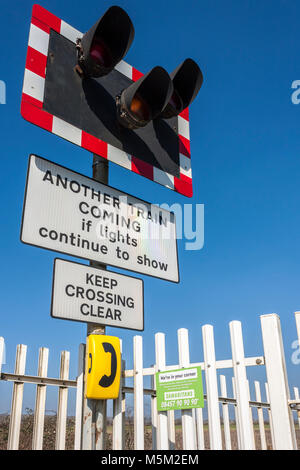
179,389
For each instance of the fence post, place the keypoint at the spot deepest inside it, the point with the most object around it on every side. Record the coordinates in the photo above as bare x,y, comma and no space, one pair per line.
226,420
215,436
251,415
162,417
138,393
270,416
2,349
40,402
17,400
260,414
237,424
296,396
79,397
241,386
171,429
200,430
61,423
282,419
188,429
119,416
153,413
297,318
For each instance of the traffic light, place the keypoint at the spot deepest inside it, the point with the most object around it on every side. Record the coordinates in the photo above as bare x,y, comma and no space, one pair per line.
145,99
187,80
106,43
78,87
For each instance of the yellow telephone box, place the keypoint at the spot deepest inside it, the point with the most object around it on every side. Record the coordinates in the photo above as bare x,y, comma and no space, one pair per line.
103,367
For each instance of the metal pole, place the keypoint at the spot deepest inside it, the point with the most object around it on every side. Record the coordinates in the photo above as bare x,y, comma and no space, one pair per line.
94,411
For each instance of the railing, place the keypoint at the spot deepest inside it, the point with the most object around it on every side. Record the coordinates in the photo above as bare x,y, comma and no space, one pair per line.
221,410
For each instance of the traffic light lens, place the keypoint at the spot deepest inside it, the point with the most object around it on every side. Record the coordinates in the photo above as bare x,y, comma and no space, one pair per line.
100,54
144,99
187,80
140,108
106,43
175,101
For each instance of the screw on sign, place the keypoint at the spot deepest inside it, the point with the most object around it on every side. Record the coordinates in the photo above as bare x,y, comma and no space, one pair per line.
78,87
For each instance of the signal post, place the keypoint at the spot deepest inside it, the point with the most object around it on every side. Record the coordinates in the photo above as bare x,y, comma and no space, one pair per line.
94,411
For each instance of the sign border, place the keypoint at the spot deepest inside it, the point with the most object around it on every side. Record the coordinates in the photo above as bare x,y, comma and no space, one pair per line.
42,22
81,257
82,321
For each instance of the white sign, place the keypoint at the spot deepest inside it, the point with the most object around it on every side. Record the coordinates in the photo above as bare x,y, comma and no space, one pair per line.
92,295
70,213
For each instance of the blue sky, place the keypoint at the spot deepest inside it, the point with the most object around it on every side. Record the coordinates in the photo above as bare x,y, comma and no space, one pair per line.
245,146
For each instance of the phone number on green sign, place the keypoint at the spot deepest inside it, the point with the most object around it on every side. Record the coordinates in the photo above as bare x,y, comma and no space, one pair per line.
179,403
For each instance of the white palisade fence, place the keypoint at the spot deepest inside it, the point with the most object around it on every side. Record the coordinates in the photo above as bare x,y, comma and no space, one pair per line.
227,422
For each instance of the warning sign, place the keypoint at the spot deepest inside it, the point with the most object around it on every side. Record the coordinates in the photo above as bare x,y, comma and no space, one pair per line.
69,213
87,294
